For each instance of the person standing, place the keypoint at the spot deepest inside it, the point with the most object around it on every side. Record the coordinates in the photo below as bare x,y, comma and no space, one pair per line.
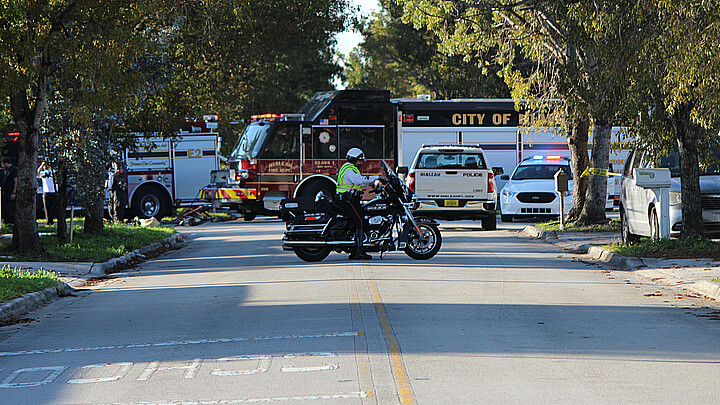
118,193
46,176
9,191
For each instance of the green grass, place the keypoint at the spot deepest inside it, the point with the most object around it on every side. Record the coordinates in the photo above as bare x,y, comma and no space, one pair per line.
612,226
670,248
14,283
115,241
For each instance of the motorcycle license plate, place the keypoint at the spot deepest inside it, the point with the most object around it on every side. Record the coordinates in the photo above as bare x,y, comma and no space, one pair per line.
451,203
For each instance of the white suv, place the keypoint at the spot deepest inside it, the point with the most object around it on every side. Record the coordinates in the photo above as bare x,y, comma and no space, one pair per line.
530,190
453,183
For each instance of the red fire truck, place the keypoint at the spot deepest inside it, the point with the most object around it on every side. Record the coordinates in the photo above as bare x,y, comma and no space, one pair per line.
280,156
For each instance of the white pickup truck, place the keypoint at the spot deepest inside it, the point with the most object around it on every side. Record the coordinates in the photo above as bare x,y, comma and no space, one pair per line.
454,182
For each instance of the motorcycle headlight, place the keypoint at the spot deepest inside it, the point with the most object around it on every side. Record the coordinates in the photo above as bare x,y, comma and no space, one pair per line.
675,198
507,193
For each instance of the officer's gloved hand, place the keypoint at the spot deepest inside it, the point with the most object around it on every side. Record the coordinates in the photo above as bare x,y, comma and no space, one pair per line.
383,180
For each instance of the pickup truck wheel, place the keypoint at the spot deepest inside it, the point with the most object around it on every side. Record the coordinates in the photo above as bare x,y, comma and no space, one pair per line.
506,218
489,223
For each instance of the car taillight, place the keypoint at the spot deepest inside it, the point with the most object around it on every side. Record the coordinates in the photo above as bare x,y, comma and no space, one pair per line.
411,184
491,183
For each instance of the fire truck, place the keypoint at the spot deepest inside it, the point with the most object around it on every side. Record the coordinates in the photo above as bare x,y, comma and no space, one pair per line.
298,155
165,173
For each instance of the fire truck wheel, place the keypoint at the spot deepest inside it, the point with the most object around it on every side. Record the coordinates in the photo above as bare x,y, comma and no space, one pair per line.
150,202
249,216
314,188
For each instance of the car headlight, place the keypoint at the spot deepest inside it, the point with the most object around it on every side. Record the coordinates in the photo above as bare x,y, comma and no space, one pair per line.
675,198
568,193
507,193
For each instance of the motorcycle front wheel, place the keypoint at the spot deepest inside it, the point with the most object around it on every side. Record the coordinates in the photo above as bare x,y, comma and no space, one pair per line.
312,254
424,245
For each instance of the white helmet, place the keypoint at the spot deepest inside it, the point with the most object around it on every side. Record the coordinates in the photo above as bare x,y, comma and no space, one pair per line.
355,154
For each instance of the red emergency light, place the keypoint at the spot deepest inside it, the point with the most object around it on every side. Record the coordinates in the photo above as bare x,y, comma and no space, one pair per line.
265,117
553,157
408,117
14,135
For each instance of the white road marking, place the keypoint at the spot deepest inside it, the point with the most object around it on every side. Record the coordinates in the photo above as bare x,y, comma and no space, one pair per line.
52,374
350,395
177,343
191,369
263,365
326,367
124,369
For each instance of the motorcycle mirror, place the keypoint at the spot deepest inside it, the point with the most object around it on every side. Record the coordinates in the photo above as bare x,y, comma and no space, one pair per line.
403,170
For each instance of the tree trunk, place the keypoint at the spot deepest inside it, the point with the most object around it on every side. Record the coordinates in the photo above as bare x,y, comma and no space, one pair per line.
94,217
578,142
687,134
61,181
25,238
596,194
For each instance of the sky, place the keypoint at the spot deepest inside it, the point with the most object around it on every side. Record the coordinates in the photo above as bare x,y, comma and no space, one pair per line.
348,40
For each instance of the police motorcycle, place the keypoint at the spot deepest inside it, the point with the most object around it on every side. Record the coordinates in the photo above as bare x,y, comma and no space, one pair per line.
316,228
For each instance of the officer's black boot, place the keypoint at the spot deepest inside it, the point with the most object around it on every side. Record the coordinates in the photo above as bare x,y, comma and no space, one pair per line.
359,253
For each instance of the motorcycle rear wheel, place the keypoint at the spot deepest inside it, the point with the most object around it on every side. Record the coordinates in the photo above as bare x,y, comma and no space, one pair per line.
312,254
425,245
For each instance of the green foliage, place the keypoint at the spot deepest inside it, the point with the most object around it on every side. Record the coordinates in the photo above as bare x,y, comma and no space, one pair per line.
114,241
14,282
612,226
410,61
670,248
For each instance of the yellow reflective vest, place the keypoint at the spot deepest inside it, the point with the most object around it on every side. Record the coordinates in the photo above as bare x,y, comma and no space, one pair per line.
343,186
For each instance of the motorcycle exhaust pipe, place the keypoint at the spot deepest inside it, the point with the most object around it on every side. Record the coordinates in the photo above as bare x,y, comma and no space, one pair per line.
295,243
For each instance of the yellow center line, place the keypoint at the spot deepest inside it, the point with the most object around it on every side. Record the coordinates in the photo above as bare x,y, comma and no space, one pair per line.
363,363
401,377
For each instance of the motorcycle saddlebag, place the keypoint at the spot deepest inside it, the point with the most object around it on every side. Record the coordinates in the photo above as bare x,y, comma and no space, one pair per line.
290,208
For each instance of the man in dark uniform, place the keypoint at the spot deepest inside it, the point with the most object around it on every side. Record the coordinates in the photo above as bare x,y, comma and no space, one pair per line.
9,191
118,193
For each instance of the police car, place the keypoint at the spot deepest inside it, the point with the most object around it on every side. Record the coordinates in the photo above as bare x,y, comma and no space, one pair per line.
530,190
454,183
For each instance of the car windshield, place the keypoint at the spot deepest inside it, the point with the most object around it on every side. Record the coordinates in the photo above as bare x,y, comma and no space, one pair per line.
540,172
251,140
451,160
672,162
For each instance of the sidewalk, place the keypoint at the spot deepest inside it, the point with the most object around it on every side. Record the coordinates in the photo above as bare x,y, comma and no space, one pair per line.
694,275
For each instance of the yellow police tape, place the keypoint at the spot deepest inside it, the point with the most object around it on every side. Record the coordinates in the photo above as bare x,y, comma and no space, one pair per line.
599,172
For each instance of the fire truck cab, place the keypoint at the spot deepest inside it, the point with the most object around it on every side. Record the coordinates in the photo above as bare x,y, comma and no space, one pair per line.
299,155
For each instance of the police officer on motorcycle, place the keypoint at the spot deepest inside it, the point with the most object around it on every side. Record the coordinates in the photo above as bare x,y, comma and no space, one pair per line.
349,193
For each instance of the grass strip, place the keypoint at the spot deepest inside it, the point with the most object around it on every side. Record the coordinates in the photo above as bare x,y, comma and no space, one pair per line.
554,226
15,283
669,248
115,240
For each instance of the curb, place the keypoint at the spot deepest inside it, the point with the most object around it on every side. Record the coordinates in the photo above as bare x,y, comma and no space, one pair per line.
707,288
595,252
537,233
102,269
17,307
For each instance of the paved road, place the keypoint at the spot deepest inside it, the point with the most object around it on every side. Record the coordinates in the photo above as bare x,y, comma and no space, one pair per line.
494,318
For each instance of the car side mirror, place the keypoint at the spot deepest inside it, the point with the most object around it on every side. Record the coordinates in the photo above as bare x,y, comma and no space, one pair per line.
505,177
498,170
402,170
